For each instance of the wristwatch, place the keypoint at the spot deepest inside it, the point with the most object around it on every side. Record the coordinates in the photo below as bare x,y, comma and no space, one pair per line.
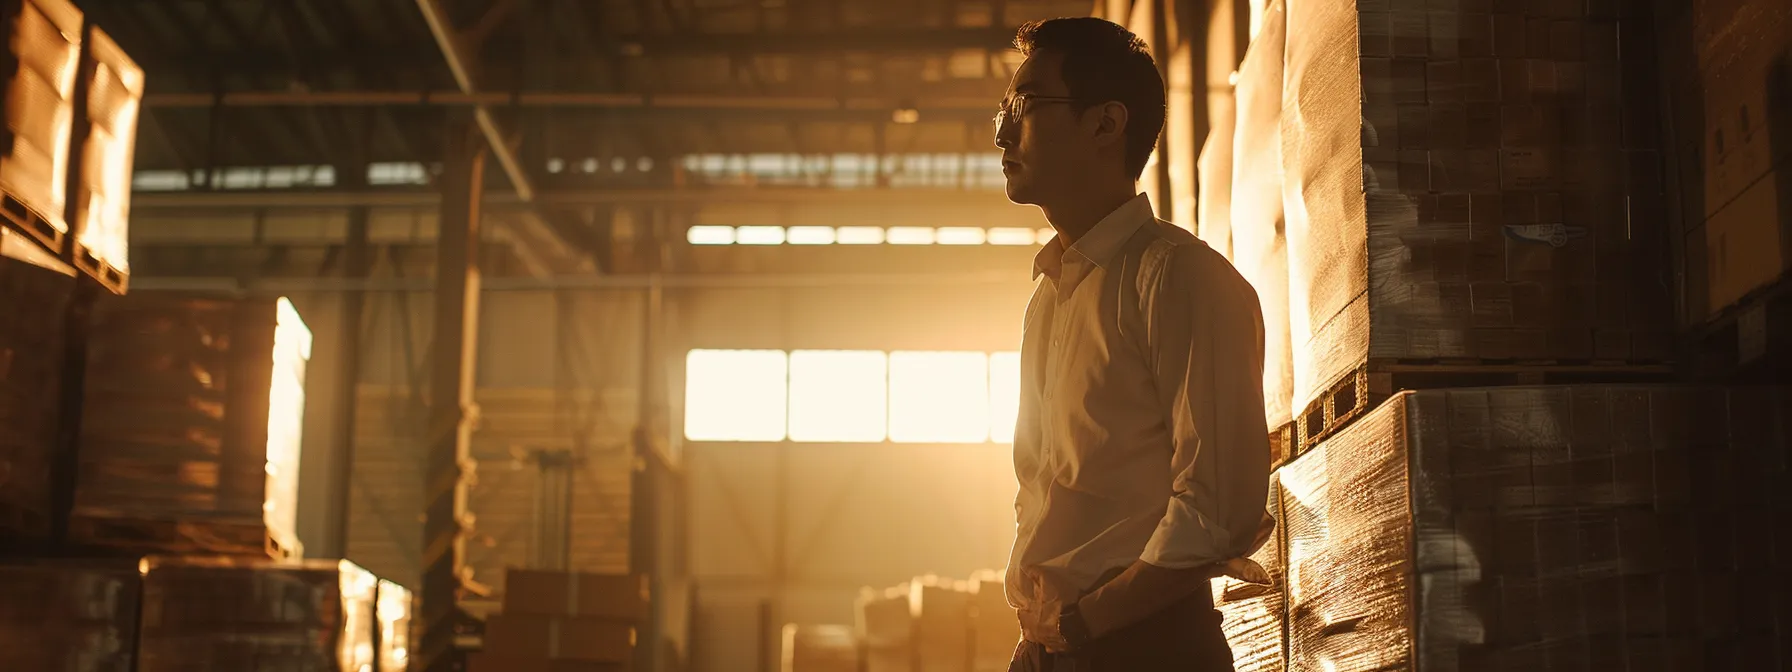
1071,627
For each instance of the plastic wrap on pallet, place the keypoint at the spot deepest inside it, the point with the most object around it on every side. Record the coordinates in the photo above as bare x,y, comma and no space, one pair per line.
193,415
101,192
1259,244
240,614
45,48
68,617
886,625
1470,185
1213,224
392,611
942,623
1253,615
819,648
31,363
1550,527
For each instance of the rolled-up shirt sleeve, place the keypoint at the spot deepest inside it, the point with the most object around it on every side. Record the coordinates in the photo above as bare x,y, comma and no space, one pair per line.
1205,335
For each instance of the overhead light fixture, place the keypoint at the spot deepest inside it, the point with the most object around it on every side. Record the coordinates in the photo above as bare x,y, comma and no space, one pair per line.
905,115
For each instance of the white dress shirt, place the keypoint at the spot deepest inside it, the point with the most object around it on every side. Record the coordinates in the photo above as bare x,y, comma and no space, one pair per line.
1141,432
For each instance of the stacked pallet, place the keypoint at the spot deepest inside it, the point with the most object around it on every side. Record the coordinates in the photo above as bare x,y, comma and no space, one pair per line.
223,613
995,628
886,625
819,648
1470,188
69,617
32,342
190,427
392,615
564,622
1254,616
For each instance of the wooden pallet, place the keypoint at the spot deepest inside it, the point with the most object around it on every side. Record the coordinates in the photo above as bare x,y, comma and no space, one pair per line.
1372,383
1282,444
151,535
111,277
49,231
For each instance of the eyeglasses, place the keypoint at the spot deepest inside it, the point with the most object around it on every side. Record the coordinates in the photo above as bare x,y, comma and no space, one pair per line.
1018,105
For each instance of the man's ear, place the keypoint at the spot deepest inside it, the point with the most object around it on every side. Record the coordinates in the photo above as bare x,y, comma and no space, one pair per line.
1110,123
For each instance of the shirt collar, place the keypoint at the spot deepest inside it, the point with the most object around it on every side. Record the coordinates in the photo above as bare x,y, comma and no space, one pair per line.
1102,242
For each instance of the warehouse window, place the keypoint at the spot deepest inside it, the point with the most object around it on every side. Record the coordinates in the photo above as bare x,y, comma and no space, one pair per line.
1004,395
735,395
864,235
939,397
837,396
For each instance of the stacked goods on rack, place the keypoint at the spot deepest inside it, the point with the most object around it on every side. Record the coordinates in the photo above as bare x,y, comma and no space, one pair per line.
942,623
255,614
32,336
1259,243
1469,184
995,628
564,622
392,615
190,429
38,77
109,93
1252,615
68,617
886,624
819,648
1549,527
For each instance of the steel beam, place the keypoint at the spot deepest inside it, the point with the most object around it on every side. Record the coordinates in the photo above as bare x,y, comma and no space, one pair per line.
448,462
261,200
529,224
357,266
569,99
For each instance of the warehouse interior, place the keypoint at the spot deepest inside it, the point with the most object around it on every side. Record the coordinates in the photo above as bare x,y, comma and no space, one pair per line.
692,328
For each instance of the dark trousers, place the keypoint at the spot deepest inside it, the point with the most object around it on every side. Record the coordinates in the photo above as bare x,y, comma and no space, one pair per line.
1183,638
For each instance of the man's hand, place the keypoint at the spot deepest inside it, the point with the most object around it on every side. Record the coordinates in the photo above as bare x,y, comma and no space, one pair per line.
1039,624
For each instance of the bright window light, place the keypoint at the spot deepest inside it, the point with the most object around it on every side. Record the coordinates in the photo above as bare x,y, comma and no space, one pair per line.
1004,395
859,235
939,397
910,235
811,235
1045,235
960,235
1011,236
759,235
710,235
838,395
735,395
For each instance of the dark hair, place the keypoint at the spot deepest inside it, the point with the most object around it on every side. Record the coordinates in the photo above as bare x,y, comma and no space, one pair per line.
1105,62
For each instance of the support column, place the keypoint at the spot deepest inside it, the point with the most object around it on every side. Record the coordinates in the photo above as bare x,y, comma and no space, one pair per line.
357,265
447,462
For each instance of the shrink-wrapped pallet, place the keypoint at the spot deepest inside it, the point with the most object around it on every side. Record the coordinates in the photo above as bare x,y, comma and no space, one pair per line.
32,337
105,140
1255,616
1471,181
1259,242
37,78
217,613
820,648
70,616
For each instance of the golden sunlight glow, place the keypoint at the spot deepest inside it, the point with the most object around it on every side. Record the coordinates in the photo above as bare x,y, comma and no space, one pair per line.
810,235
939,397
759,235
960,235
837,395
710,235
859,235
1004,395
735,395
909,235
1010,236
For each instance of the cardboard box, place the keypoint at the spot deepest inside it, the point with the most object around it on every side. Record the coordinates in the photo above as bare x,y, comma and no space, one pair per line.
490,662
820,648
541,593
560,637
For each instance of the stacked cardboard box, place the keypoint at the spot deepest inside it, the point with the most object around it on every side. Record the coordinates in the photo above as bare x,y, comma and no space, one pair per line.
995,628
1474,181
392,615
942,623
886,624
109,91
564,621
1551,527
37,76
190,427
32,338
222,613
68,617
1259,241
820,648
1255,616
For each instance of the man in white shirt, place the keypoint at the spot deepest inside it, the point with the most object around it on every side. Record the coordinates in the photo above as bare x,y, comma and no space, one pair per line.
1141,447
